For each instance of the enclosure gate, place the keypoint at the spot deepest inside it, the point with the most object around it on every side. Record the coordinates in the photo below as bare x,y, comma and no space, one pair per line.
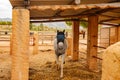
108,36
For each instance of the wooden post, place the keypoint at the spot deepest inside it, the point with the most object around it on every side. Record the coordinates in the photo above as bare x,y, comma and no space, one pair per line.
11,44
20,44
35,43
75,49
69,49
92,42
113,35
118,30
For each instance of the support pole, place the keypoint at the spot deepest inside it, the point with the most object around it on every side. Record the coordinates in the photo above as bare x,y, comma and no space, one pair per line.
75,49
92,42
11,44
35,43
118,28
69,49
113,35
20,44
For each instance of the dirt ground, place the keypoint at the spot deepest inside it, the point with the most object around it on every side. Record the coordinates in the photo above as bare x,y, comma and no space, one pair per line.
42,66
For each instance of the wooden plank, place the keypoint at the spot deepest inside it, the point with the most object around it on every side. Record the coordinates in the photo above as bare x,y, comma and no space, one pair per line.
52,17
52,20
20,44
69,49
118,28
111,19
84,6
113,35
92,41
11,44
75,51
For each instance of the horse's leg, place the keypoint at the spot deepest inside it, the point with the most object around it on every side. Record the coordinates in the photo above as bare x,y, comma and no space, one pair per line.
62,61
57,61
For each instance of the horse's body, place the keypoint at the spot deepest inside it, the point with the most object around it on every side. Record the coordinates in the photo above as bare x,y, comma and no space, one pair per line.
60,46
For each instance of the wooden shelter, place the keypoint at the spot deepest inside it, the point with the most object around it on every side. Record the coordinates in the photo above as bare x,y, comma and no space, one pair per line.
95,12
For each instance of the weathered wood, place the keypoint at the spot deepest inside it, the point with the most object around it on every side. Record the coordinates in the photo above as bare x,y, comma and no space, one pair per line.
20,44
111,19
60,16
75,51
69,49
10,44
35,43
113,35
53,20
110,24
84,6
92,41
118,28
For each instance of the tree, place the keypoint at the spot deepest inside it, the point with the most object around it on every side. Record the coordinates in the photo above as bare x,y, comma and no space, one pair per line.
42,26
69,23
5,23
8,23
31,26
82,23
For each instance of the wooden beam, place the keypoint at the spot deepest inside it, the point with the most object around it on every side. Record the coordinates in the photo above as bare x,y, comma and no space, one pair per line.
110,24
82,6
109,16
57,20
75,51
87,11
117,11
57,13
104,10
57,17
20,44
72,2
107,20
92,42
62,20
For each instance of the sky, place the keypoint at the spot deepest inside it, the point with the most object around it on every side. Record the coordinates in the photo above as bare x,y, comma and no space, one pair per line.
6,12
5,9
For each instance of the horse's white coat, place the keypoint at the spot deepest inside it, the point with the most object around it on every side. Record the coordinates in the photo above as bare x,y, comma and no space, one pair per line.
60,48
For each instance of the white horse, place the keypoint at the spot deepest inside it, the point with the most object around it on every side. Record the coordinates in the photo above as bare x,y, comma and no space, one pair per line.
60,46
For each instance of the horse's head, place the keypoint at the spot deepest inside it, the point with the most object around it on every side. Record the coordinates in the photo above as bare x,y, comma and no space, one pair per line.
60,36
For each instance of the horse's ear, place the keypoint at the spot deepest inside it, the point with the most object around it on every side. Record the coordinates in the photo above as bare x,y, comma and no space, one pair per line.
64,30
57,31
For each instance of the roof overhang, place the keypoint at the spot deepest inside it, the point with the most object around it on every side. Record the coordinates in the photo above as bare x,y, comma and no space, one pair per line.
108,10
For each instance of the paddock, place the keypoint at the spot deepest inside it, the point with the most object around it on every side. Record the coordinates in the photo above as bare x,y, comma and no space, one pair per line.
24,12
42,64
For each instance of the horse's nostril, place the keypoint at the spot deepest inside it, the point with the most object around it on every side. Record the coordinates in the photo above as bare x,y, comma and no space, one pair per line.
60,48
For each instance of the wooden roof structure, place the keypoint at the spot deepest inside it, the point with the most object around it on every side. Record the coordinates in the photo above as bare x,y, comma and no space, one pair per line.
93,12
58,10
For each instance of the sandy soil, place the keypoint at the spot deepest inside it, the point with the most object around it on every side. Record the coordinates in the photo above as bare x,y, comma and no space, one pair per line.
42,66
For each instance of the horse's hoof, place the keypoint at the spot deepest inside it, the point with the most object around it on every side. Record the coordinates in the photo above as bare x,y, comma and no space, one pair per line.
58,68
61,77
